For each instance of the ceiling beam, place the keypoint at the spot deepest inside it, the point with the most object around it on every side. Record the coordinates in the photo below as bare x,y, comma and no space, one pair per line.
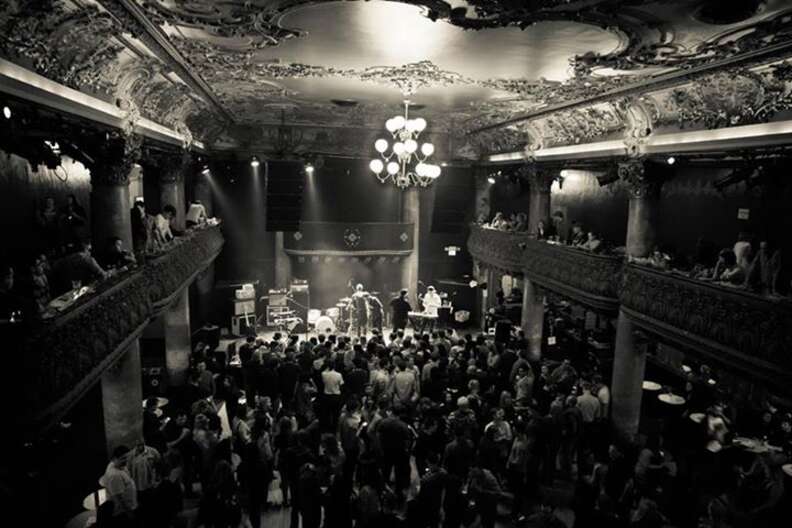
159,44
659,82
27,85
737,138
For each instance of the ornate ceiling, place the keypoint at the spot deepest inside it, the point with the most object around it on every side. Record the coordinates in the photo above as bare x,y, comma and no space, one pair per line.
232,71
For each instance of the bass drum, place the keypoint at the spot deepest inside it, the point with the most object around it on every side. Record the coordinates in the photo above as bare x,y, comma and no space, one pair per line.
325,325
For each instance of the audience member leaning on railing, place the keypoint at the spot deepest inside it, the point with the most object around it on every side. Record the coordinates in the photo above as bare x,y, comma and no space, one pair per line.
762,272
50,289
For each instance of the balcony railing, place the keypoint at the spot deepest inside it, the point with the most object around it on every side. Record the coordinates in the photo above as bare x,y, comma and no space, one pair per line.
742,329
586,277
64,356
748,332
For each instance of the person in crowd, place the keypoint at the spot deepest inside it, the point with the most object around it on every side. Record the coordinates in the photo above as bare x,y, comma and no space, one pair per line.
196,214
79,268
545,230
332,381
743,251
40,285
727,270
592,243
576,235
400,307
764,272
377,312
499,222
115,256
163,233
73,222
141,227
120,488
47,223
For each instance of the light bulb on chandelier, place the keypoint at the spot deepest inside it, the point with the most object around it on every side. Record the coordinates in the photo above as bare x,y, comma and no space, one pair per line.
407,162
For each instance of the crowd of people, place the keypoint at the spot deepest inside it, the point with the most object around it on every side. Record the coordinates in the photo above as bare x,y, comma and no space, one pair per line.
427,430
753,264
757,266
67,260
550,229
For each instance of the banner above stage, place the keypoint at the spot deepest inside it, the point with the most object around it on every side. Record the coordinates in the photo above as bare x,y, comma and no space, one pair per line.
355,240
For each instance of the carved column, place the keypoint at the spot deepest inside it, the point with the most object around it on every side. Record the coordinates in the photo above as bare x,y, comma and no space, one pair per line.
540,181
110,211
177,339
283,269
122,397
205,282
172,169
629,363
532,319
411,214
642,216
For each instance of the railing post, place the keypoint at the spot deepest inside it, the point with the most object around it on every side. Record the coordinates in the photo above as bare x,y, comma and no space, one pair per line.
540,180
532,320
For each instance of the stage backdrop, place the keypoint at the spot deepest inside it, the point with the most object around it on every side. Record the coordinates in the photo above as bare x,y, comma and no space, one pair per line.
334,256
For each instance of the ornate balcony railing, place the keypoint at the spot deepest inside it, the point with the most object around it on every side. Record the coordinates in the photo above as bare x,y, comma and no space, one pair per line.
586,277
63,357
748,332
739,328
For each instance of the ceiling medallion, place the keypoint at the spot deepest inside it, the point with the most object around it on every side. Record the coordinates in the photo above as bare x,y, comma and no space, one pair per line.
405,164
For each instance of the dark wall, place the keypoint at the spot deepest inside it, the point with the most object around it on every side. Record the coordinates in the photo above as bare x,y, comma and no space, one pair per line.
508,195
345,190
238,194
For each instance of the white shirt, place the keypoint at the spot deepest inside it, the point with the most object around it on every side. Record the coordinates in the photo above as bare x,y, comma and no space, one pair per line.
332,382
162,225
431,302
196,213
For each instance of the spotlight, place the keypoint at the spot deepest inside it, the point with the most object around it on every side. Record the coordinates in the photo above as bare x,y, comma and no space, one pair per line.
671,160
205,171
309,169
491,180
444,164
254,162
7,112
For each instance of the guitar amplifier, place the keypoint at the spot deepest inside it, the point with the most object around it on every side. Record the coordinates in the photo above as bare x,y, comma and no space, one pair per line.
245,307
277,312
243,324
277,297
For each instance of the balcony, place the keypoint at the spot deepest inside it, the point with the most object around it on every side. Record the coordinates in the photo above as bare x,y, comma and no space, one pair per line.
64,356
749,332
585,277
744,331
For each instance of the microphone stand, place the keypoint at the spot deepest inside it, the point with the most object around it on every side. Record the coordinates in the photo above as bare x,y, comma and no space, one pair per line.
290,299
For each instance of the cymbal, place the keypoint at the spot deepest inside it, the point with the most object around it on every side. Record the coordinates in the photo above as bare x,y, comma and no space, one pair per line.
345,299
374,293
341,305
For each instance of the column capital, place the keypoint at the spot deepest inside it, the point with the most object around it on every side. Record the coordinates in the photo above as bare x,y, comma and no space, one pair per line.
114,156
638,182
172,166
539,178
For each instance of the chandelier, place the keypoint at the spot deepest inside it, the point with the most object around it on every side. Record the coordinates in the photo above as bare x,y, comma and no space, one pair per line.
406,163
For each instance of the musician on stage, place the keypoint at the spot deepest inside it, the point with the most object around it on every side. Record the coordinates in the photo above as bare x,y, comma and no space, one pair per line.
376,311
431,301
360,307
399,310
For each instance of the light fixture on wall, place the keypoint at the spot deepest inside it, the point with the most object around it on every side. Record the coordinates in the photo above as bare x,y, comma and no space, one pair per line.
254,161
309,169
7,112
671,160
205,171
406,163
